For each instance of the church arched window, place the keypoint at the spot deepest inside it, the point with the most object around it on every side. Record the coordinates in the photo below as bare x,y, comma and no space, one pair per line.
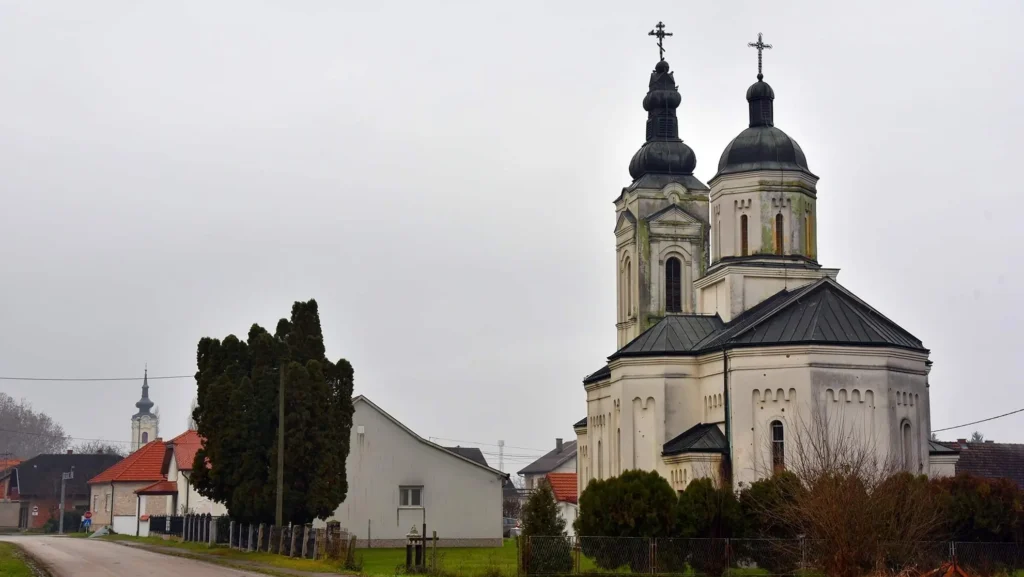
778,446
673,285
743,235
779,248
145,437
627,290
908,446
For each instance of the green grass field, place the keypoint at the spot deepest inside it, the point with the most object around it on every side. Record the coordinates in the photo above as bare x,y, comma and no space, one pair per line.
11,564
228,555
458,561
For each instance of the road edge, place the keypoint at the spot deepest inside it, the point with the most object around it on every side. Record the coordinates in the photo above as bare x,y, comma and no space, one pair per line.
206,559
37,566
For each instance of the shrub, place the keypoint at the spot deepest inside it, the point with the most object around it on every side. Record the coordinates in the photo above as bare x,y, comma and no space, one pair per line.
540,515
548,550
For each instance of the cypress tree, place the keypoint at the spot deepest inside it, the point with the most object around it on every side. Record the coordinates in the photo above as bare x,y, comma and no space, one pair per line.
540,515
237,415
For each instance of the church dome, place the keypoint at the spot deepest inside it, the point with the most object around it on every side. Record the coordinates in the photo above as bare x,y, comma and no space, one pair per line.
663,152
762,146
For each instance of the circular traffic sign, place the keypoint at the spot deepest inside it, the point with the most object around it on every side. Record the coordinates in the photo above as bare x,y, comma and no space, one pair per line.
88,514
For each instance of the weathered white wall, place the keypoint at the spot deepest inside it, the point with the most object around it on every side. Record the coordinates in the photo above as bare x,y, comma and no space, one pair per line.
462,501
867,392
569,512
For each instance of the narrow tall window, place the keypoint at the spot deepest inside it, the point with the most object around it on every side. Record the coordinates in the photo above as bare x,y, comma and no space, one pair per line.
600,461
807,234
629,288
673,286
778,234
145,438
810,235
778,446
908,447
743,235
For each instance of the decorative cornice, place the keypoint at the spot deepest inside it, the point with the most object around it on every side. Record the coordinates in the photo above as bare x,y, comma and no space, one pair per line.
722,270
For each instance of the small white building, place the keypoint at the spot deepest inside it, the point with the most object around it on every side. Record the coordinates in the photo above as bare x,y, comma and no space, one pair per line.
398,480
561,459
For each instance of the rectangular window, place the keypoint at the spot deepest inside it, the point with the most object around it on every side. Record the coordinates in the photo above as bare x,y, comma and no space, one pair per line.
410,496
95,502
106,502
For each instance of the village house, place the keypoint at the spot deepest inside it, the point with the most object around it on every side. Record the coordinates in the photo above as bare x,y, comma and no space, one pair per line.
34,485
397,480
561,459
563,485
113,498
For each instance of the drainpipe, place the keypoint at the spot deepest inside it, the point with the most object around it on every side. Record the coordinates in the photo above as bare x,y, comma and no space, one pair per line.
111,506
728,410
138,514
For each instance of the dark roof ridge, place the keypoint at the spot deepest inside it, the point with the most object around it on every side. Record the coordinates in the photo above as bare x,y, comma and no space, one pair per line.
794,295
872,322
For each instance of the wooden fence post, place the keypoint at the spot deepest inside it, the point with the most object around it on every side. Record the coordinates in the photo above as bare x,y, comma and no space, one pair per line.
280,541
305,539
291,549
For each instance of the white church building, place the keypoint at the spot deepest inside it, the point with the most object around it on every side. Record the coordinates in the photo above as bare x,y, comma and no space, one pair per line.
732,336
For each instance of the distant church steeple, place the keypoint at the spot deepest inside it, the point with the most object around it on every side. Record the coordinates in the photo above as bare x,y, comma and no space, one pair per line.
145,424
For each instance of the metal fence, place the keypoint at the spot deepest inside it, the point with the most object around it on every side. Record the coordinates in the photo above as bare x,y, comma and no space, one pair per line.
732,557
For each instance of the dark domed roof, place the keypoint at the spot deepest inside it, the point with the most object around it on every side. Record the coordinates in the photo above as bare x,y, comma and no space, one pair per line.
762,146
663,152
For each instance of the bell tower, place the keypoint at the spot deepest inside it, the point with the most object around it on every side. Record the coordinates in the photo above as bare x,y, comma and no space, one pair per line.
145,424
661,229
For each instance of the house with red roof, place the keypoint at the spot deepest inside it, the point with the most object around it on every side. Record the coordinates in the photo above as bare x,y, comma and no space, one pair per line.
151,481
564,487
113,498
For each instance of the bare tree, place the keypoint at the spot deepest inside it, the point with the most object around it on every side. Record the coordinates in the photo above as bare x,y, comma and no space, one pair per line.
98,447
855,502
24,433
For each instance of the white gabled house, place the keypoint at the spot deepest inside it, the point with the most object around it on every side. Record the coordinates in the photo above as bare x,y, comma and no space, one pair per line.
397,480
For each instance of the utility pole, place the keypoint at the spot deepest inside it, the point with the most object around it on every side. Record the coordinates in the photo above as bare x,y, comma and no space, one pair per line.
279,516
64,477
501,455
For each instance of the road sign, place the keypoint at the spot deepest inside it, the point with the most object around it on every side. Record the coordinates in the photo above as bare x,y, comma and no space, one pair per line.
35,511
88,514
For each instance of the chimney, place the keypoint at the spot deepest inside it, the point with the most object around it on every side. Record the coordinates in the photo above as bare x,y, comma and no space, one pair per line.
70,451
558,445
989,441
961,441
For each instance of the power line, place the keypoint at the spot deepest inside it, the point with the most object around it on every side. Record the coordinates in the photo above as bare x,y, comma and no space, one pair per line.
491,444
981,421
52,436
93,379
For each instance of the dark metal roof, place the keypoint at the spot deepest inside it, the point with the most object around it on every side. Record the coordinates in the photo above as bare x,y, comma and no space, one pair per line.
550,461
144,404
762,146
598,375
700,438
41,475
580,423
992,460
938,448
673,334
472,453
822,312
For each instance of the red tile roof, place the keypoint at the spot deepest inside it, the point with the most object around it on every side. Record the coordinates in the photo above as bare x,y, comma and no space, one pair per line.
146,464
159,488
186,445
564,486
7,463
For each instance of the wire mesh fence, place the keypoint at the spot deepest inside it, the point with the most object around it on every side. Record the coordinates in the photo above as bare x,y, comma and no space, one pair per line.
744,557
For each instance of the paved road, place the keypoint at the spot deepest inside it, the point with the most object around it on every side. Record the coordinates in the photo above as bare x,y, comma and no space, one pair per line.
67,557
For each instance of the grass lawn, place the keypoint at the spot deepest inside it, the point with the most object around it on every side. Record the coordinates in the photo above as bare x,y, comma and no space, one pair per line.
459,561
11,564
229,555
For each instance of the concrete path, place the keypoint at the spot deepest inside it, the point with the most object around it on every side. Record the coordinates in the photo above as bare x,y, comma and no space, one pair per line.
67,557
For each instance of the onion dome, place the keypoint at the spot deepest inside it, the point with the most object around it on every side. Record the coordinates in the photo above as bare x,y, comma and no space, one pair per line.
762,146
664,152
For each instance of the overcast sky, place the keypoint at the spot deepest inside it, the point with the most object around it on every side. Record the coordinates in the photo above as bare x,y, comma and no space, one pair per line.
440,177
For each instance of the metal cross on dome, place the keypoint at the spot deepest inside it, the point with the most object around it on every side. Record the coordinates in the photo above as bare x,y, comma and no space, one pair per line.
761,46
659,31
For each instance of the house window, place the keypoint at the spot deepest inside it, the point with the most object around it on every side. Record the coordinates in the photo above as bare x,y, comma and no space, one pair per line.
743,235
106,502
95,502
778,234
778,446
673,286
411,496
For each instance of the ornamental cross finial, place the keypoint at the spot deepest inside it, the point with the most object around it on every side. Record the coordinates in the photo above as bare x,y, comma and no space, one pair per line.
659,31
761,46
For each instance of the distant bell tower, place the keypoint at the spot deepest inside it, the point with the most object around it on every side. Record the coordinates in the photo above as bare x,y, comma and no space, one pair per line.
662,224
145,425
